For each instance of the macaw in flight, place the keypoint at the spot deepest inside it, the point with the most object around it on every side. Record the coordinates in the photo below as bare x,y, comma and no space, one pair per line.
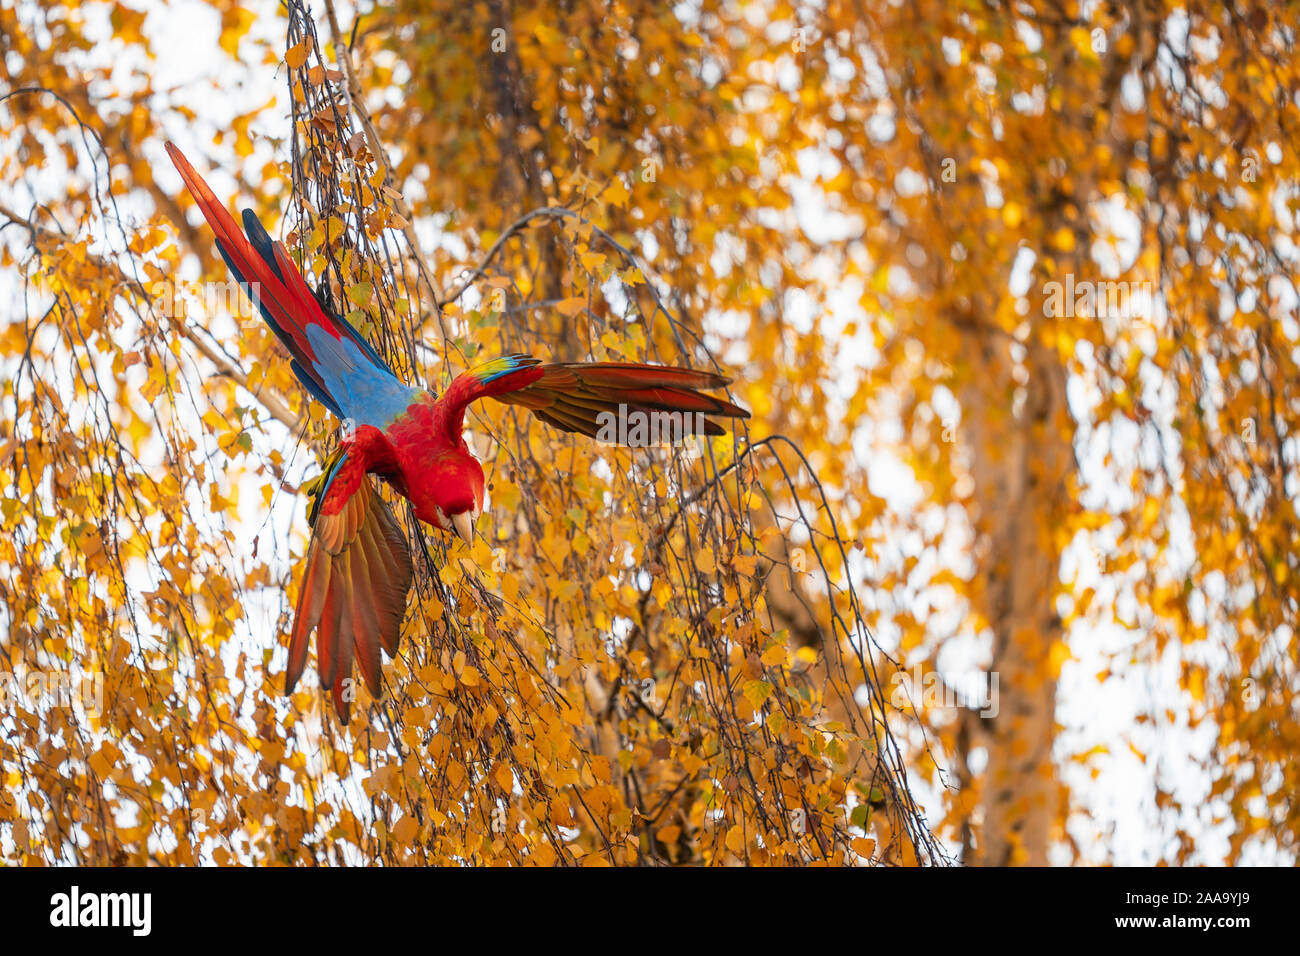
358,563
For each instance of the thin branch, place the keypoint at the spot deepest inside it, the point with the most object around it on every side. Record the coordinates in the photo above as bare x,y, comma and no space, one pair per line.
550,212
356,101
272,403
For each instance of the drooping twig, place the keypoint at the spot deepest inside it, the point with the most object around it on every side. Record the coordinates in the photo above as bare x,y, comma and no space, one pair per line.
272,403
357,103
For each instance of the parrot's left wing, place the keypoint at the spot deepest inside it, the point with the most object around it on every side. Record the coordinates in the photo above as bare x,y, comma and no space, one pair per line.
354,592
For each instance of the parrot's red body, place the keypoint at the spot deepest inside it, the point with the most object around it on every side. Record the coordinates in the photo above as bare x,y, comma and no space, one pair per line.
358,564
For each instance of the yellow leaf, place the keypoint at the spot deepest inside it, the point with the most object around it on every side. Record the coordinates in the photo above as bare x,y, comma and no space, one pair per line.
544,855
757,691
617,192
234,25
864,847
1057,656
571,306
736,840
296,55
405,830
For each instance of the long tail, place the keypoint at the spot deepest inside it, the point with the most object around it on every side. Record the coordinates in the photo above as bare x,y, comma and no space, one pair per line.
326,350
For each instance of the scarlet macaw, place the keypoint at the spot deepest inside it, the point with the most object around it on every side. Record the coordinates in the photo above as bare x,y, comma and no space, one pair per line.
358,563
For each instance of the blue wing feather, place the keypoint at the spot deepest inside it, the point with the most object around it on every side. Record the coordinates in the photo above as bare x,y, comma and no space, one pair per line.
366,393
348,376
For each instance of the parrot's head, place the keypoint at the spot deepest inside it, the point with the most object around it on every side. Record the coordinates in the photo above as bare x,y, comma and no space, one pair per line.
449,495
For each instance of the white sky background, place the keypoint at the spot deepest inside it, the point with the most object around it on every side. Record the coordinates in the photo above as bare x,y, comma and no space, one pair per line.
1119,822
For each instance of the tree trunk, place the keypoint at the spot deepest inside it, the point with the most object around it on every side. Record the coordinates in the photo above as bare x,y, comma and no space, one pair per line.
1019,437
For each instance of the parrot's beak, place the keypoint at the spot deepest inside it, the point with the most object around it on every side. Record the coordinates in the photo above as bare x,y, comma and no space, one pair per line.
463,524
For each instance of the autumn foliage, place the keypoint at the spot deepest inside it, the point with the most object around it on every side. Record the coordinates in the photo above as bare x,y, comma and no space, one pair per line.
1008,292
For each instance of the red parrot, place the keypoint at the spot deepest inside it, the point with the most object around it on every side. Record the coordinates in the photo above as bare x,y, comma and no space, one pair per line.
358,563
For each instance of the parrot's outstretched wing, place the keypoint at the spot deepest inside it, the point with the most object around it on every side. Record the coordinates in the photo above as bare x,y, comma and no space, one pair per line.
331,358
354,592
585,396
